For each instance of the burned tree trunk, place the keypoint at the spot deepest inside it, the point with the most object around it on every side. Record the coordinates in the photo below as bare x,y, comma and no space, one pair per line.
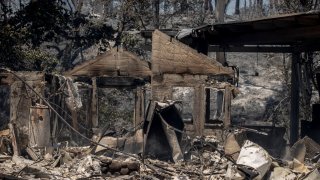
156,11
220,9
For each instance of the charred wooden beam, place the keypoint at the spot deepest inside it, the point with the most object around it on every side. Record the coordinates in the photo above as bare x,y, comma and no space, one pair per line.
227,107
103,82
307,35
118,81
266,49
148,33
294,112
94,104
15,145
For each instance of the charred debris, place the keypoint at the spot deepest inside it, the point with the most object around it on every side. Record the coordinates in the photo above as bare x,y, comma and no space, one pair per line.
181,128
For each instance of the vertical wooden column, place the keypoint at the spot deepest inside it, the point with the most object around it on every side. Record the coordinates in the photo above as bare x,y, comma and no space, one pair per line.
227,107
199,109
94,103
139,106
88,110
15,99
137,109
294,112
74,114
15,145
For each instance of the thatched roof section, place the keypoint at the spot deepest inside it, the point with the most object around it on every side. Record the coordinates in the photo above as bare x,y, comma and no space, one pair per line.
116,62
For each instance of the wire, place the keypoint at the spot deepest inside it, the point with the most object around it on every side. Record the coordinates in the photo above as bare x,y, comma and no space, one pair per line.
69,116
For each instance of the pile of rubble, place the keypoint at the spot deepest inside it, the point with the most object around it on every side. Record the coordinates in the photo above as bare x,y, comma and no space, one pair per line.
161,149
204,158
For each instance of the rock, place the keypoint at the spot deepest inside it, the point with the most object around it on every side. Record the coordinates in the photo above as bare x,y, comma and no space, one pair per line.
105,160
133,166
104,169
111,142
254,156
66,158
115,165
124,171
134,173
48,157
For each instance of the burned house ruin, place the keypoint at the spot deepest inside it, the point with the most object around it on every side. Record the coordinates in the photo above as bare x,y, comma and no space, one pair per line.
174,108
197,82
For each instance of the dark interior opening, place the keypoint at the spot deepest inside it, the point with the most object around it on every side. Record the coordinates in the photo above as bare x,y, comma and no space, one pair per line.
4,106
214,105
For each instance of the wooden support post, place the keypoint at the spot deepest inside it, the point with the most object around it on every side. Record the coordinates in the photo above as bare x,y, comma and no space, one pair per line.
199,110
15,146
294,112
55,121
94,103
88,110
139,106
207,98
227,107
74,115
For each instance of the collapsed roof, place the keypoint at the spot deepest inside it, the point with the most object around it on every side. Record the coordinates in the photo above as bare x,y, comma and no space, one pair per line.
116,62
170,56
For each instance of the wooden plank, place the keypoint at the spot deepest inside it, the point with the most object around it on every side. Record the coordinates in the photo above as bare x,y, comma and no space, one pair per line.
275,37
103,82
294,112
88,110
227,107
202,108
32,154
196,111
74,115
137,107
94,103
57,100
39,126
15,146
257,48
5,132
